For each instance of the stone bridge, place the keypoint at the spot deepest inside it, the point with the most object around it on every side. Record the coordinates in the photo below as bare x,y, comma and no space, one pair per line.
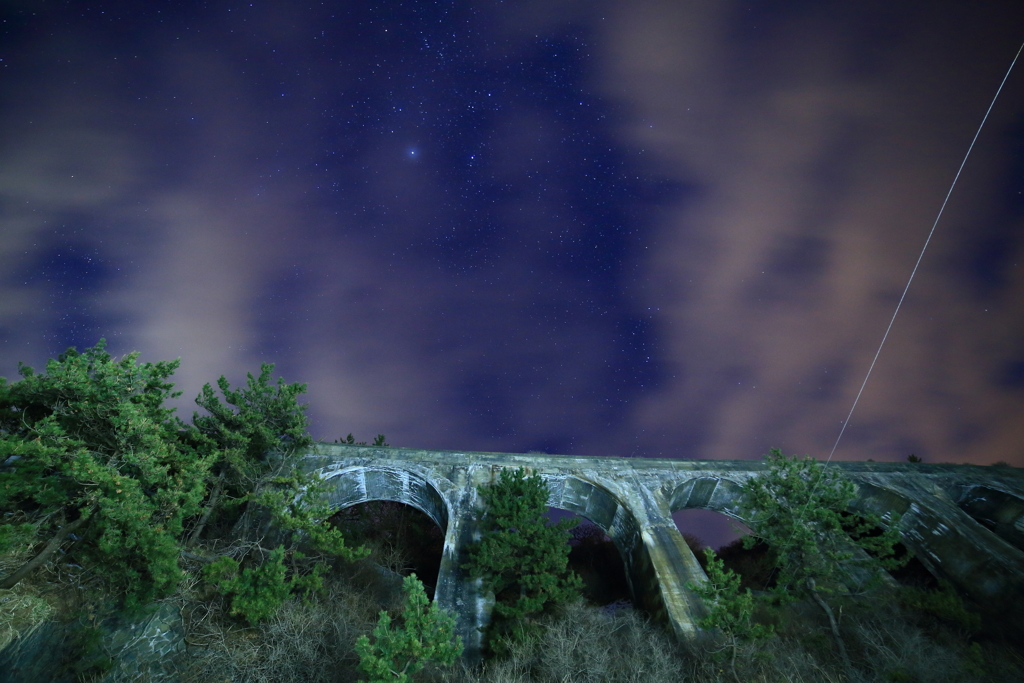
965,523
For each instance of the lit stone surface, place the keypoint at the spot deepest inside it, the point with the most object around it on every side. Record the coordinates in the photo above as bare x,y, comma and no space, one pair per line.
962,521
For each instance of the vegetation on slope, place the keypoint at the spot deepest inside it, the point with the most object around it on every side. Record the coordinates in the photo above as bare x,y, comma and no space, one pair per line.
110,502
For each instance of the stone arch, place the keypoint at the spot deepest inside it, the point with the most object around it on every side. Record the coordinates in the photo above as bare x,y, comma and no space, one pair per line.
881,500
602,507
636,497
587,499
363,483
999,511
947,541
709,492
448,508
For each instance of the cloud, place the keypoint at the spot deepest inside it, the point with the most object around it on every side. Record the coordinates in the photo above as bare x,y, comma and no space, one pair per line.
706,273
818,185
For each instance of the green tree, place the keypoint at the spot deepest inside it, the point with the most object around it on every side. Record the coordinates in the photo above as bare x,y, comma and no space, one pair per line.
729,610
258,591
801,510
88,449
426,635
258,432
351,441
519,557
259,488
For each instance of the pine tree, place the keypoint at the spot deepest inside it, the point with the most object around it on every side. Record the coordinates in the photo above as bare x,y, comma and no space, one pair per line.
257,480
801,510
426,635
731,611
90,452
519,557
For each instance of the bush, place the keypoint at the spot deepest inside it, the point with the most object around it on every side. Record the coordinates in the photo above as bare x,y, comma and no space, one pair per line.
426,635
730,610
944,603
257,592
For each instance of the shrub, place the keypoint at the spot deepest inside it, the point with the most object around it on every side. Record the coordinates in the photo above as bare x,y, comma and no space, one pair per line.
257,592
944,603
425,636
582,643
800,509
730,610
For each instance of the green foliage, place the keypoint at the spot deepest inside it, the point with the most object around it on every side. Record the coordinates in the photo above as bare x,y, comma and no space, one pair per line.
258,592
801,510
975,665
351,441
257,431
13,536
519,557
84,655
260,436
730,610
426,635
91,439
88,445
899,676
297,504
264,422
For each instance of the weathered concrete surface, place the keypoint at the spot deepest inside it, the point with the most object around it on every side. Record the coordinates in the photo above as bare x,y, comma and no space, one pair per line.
965,523
149,647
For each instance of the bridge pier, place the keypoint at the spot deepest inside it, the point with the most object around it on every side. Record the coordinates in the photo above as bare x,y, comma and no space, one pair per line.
671,566
456,591
657,560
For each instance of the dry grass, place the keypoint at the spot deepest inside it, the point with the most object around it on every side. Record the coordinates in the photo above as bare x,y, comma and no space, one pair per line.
55,589
578,644
586,645
583,644
22,607
21,610
302,644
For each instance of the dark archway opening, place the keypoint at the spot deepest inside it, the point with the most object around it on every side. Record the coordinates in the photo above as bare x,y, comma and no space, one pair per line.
596,560
913,574
402,539
708,528
998,511
702,528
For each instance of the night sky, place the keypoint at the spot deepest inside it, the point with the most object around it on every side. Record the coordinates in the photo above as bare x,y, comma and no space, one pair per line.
645,228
